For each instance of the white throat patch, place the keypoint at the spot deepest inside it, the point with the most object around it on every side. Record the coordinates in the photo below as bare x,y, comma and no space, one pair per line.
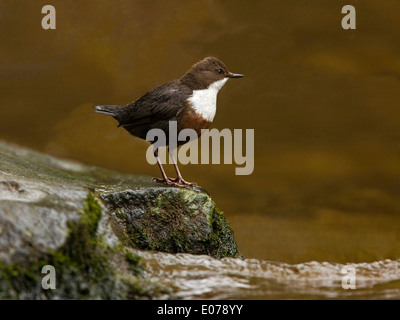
204,101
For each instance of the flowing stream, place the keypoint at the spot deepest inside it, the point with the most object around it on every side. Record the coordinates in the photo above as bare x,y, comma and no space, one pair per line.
203,277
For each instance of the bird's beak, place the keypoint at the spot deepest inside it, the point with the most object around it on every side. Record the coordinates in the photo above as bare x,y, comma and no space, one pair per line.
235,75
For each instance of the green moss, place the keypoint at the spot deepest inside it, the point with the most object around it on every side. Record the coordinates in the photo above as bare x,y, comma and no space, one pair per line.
187,196
141,289
133,260
81,247
180,243
221,240
16,278
140,238
81,264
91,214
120,214
165,206
173,220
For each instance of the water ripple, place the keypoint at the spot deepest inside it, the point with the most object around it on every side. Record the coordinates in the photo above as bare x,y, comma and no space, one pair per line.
203,277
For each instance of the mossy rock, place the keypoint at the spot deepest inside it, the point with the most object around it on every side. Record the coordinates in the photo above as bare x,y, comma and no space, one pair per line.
88,223
173,220
84,266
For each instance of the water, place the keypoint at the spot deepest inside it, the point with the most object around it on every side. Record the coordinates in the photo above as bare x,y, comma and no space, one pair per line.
202,277
323,103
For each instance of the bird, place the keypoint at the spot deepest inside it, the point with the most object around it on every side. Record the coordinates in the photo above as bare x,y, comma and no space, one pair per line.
191,101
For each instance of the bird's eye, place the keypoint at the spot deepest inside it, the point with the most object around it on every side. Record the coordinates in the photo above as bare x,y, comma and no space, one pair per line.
220,71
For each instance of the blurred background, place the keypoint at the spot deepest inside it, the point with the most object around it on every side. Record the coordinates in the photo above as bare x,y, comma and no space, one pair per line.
324,103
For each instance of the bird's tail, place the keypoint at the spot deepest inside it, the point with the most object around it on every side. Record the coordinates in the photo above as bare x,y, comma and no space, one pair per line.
107,110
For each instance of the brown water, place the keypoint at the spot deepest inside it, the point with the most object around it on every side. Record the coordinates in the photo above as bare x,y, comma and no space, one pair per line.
323,103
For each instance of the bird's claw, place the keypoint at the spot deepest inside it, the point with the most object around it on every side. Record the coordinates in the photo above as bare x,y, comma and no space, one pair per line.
169,182
184,182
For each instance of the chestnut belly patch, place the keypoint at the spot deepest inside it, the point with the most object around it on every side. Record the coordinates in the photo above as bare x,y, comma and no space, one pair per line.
192,120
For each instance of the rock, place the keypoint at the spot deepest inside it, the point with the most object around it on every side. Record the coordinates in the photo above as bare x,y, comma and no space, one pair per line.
85,221
171,220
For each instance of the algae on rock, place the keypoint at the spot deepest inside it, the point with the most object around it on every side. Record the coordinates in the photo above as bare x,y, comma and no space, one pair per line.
172,220
84,267
89,223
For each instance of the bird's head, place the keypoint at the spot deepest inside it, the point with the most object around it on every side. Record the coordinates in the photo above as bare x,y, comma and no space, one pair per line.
206,72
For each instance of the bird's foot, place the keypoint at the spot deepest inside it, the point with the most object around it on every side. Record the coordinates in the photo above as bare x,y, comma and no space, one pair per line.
169,182
184,182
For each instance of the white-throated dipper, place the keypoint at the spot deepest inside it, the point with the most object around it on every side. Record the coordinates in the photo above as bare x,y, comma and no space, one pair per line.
191,101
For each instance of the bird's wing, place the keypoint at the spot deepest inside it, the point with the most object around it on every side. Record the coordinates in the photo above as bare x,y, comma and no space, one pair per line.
162,103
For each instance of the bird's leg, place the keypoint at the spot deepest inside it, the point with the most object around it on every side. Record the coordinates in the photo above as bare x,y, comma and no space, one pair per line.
164,179
164,176
179,178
